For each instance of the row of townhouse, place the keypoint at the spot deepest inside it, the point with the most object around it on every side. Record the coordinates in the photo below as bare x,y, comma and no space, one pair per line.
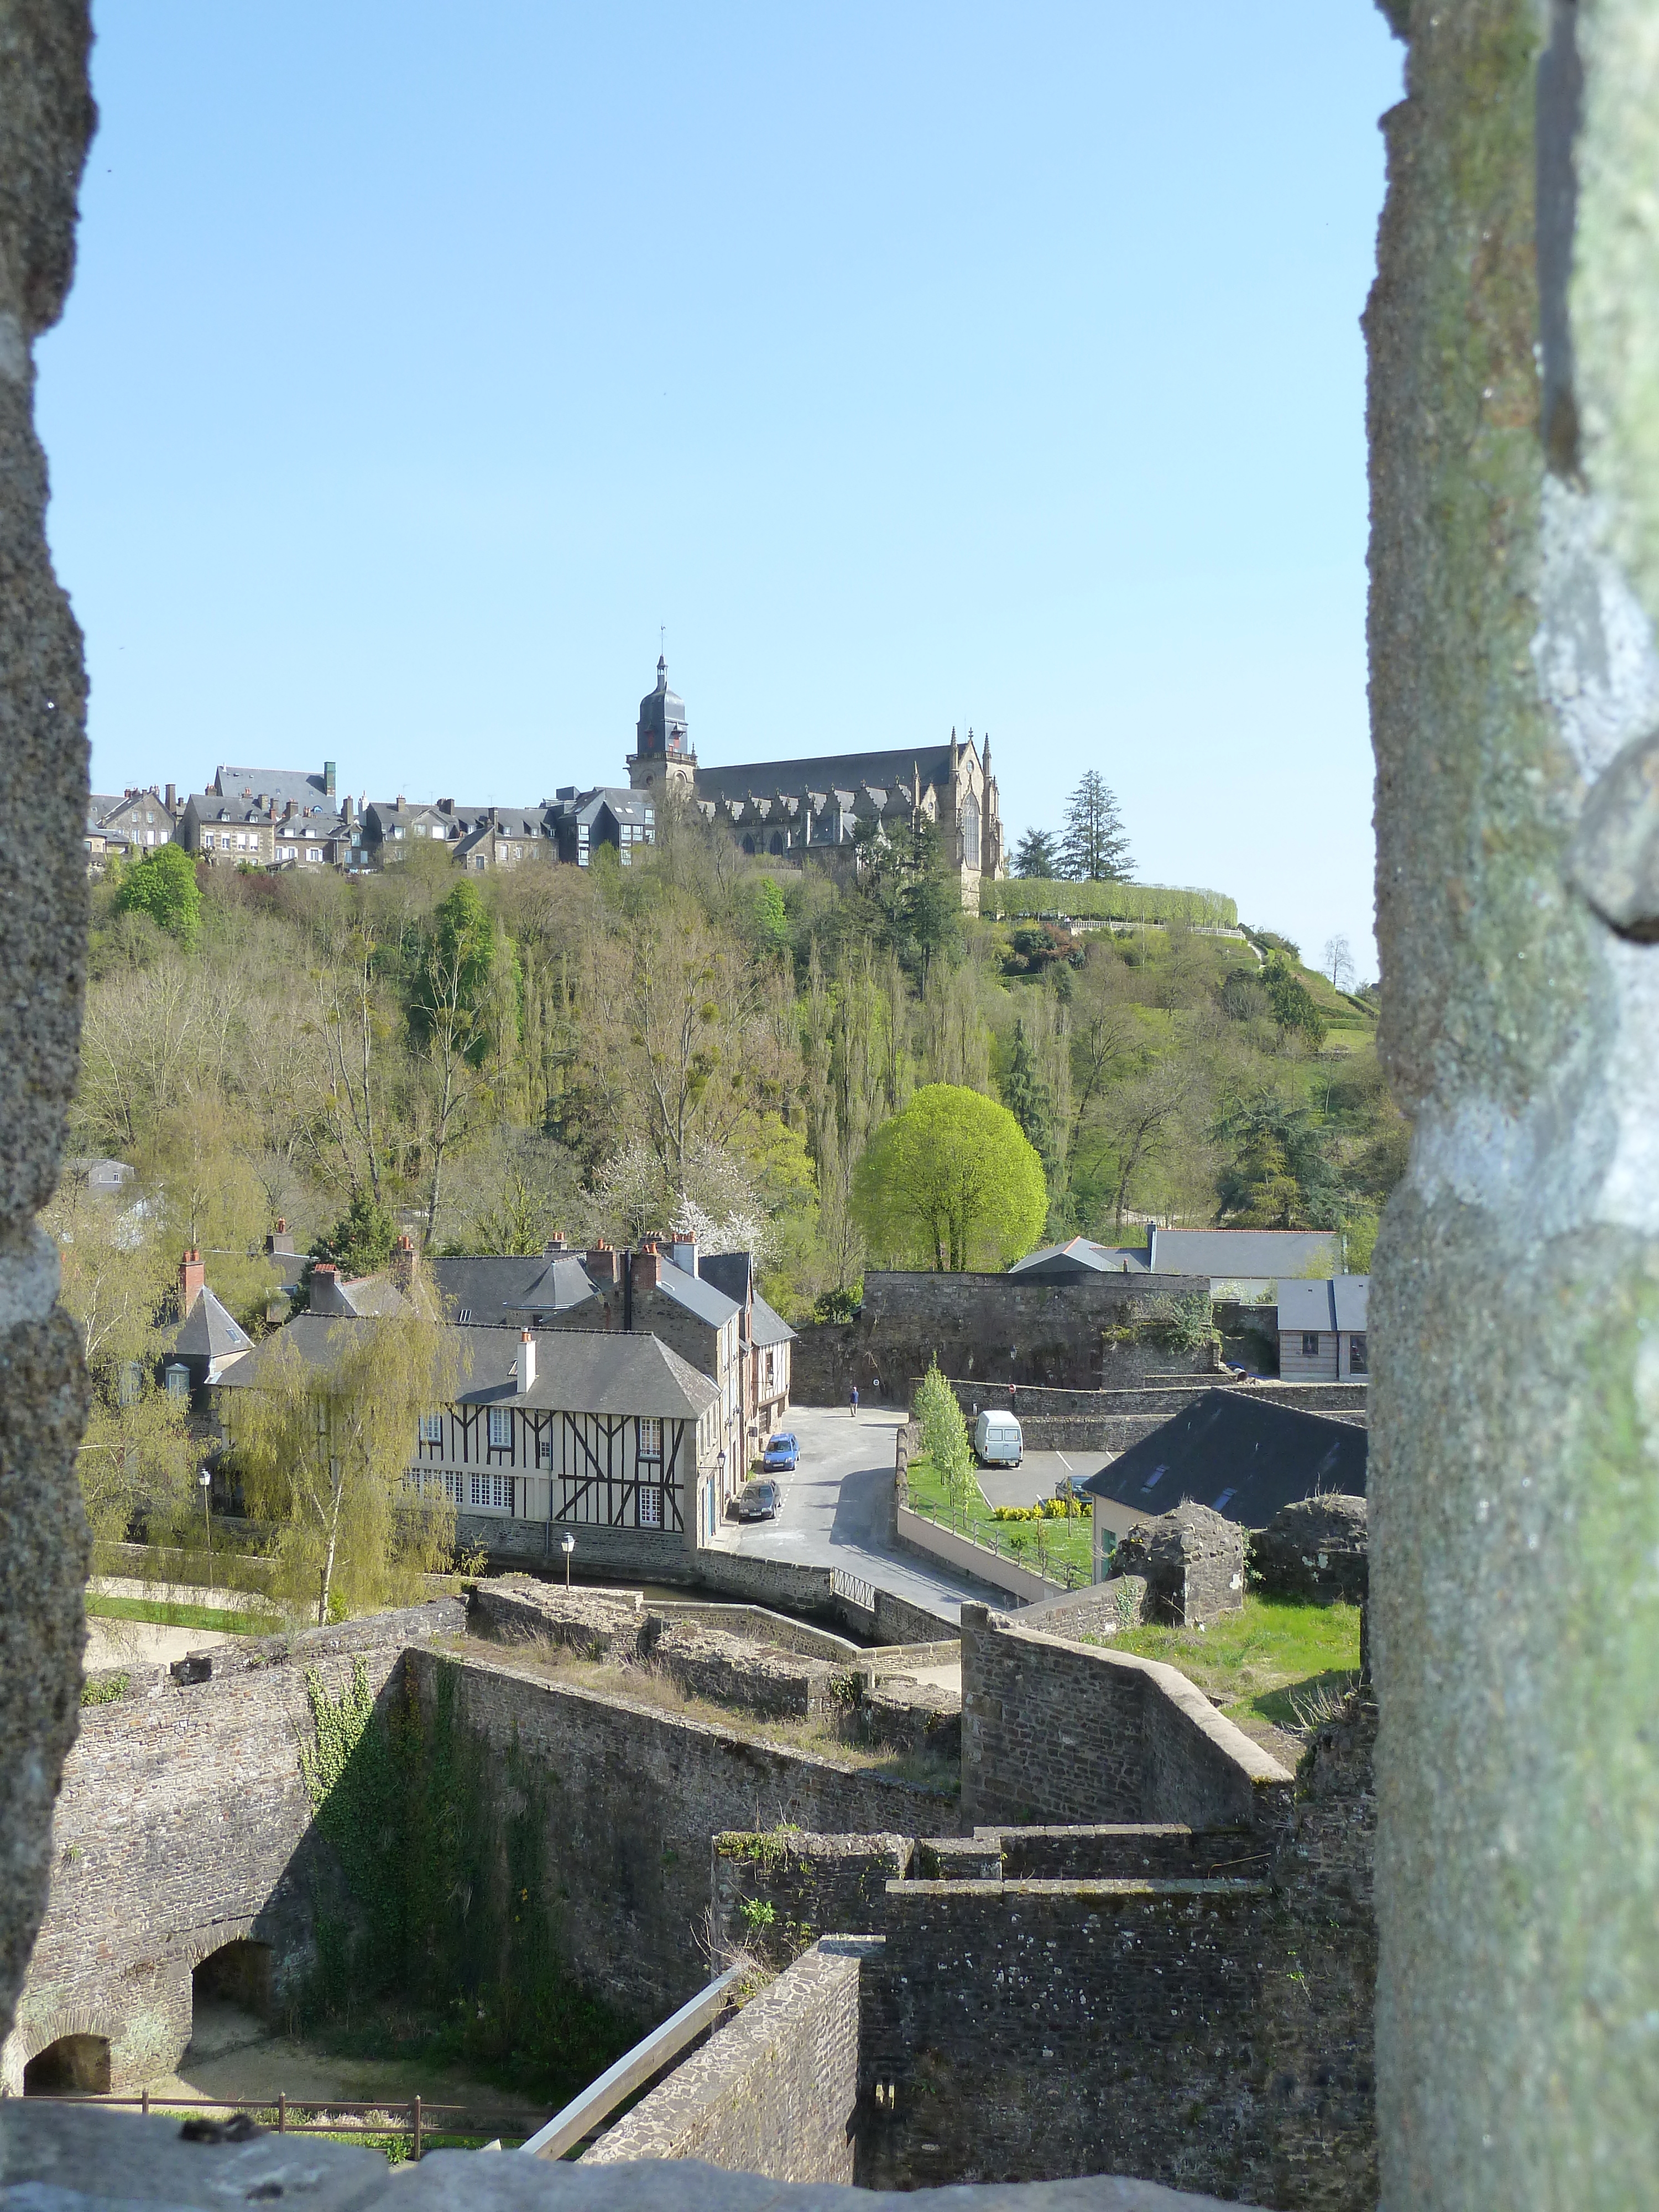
285,818
627,1390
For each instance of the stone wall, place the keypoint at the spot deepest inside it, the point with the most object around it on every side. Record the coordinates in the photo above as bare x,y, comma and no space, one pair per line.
773,2092
632,1795
1317,1549
1058,1731
1192,1562
798,1886
46,118
183,1823
1005,1326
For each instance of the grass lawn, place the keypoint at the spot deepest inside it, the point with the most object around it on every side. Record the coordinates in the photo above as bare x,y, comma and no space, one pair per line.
1269,1662
1063,1543
183,1616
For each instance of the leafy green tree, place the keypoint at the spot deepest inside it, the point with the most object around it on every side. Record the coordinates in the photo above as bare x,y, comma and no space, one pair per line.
323,1447
455,1012
1293,1008
943,1431
768,921
163,885
952,1179
1036,856
360,1241
1027,1098
1095,846
1278,1172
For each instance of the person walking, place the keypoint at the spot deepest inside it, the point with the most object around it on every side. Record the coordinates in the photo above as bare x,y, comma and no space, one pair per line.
855,1402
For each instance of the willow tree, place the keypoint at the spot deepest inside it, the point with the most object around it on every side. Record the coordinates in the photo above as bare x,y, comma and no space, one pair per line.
323,1431
952,1180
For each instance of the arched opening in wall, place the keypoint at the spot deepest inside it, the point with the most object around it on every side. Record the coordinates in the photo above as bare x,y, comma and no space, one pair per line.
970,831
230,1998
74,2065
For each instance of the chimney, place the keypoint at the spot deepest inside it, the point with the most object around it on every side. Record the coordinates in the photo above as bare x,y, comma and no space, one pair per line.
325,1288
603,1265
647,1268
281,1238
683,1253
526,1361
328,779
192,1277
404,1263
400,802
173,798
555,1247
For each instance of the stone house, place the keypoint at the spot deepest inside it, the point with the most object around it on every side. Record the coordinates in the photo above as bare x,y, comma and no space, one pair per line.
767,1338
582,821
209,1340
136,822
1321,1330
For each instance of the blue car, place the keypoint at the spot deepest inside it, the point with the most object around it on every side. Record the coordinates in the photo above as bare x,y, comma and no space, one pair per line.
781,1454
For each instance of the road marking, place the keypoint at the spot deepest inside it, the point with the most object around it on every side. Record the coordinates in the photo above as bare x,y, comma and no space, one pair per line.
1064,1461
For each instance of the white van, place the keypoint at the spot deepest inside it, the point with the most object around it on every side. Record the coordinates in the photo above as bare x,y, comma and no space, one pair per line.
997,1440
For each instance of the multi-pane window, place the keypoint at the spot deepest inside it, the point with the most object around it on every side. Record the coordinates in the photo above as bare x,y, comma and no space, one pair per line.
432,1435
650,1506
501,1425
1356,1360
1309,1344
544,1450
493,1490
650,1438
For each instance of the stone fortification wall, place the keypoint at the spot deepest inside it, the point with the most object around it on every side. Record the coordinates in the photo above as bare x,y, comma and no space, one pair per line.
1003,1326
1058,1731
1192,1562
773,2092
182,1825
774,1892
1032,2030
630,1796
642,1554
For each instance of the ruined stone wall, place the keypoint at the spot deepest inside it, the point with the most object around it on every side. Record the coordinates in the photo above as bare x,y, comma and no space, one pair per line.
1057,1731
804,1886
632,1795
46,118
773,2092
184,1823
1001,1326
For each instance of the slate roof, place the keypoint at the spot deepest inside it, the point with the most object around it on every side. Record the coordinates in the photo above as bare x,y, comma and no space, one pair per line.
731,1273
1228,1253
494,1289
1337,1305
766,1325
281,784
577,1370
562,1285
696,1295
1240,1454
208,1332
854,772
1082,1257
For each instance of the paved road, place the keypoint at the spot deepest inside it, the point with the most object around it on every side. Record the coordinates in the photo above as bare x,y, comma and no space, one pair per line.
833,1511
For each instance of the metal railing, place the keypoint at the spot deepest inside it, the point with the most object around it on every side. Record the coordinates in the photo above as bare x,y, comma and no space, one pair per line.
379,2115
583,2114
853,1589
961,1523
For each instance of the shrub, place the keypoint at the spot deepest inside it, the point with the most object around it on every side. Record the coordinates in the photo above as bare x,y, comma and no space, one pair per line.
943,1431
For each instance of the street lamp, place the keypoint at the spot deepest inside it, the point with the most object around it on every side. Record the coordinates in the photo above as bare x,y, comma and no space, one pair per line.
567,1544
205,1478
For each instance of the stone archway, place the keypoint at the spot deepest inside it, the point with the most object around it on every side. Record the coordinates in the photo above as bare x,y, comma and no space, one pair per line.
230,1997
70,2065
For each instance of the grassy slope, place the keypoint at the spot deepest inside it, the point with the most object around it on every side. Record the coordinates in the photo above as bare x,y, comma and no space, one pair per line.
183,1616
1269,1663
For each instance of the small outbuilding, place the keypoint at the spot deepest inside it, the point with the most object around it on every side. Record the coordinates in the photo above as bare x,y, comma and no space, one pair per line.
1321,1329
1239,1453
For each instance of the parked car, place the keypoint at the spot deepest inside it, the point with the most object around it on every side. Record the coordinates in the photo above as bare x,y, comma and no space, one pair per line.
759,1500
782,1453
997,1441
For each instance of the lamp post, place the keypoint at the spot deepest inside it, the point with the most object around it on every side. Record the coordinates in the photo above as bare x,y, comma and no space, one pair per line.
205,1478
567,1544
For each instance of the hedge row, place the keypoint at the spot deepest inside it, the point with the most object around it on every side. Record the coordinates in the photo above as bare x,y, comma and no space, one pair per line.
1015,897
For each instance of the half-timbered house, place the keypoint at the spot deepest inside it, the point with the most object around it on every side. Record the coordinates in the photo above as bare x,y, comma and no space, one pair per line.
611,1439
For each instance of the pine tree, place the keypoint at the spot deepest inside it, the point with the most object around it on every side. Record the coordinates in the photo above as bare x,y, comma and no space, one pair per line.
1036,856
1095,846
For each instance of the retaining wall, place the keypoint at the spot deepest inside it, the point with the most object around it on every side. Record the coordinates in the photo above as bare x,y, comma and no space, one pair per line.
631,1795
184,1824
1053,1731
774,2090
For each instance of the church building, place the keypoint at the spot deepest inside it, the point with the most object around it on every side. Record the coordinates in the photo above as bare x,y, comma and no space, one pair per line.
813,810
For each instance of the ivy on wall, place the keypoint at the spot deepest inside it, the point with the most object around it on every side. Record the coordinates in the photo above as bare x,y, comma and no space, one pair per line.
442,1848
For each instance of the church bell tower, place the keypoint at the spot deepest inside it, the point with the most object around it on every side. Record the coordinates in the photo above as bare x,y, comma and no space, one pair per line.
662,756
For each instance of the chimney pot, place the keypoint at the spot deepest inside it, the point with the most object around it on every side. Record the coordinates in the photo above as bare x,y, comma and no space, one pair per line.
647,1268
404,1263
192,1278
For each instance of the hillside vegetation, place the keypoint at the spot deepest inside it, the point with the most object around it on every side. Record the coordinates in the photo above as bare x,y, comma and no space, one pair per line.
690,1042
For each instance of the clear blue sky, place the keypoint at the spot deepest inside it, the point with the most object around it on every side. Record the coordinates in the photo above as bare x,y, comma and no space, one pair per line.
917,366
